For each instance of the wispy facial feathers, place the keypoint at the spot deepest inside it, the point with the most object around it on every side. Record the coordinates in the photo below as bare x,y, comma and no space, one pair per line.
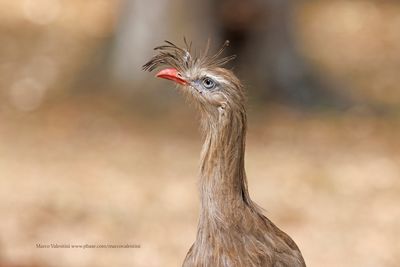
184,59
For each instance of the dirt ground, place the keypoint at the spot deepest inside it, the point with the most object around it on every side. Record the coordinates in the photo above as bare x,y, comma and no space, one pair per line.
85,171
93,169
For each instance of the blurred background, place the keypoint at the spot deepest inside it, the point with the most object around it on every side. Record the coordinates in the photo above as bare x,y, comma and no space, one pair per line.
95,151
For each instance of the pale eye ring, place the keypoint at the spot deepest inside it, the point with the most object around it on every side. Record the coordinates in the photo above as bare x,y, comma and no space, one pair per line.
208,83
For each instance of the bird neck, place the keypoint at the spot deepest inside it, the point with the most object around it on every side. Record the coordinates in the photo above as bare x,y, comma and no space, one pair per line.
223,183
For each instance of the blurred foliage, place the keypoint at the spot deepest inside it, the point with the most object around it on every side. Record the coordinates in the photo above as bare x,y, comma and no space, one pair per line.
45,45
356,43
88,157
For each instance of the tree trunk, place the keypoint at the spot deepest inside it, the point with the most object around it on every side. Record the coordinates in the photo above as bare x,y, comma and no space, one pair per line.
262,34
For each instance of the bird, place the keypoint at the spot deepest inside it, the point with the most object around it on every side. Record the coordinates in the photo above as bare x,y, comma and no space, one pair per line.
232,230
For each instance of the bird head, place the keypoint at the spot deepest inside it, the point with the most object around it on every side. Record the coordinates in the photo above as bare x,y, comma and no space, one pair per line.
214,89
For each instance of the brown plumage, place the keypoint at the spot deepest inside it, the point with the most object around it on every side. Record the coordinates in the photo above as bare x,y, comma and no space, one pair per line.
232,230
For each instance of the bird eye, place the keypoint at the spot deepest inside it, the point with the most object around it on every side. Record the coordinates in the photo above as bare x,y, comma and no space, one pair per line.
208,83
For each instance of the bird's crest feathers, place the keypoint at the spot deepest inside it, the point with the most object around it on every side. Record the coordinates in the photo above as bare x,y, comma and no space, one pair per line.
184,59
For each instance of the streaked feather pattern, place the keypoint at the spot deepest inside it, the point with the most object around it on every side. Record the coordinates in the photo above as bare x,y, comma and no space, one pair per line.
232,230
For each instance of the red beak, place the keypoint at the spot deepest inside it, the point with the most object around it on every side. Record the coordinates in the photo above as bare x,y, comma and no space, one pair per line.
173,75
